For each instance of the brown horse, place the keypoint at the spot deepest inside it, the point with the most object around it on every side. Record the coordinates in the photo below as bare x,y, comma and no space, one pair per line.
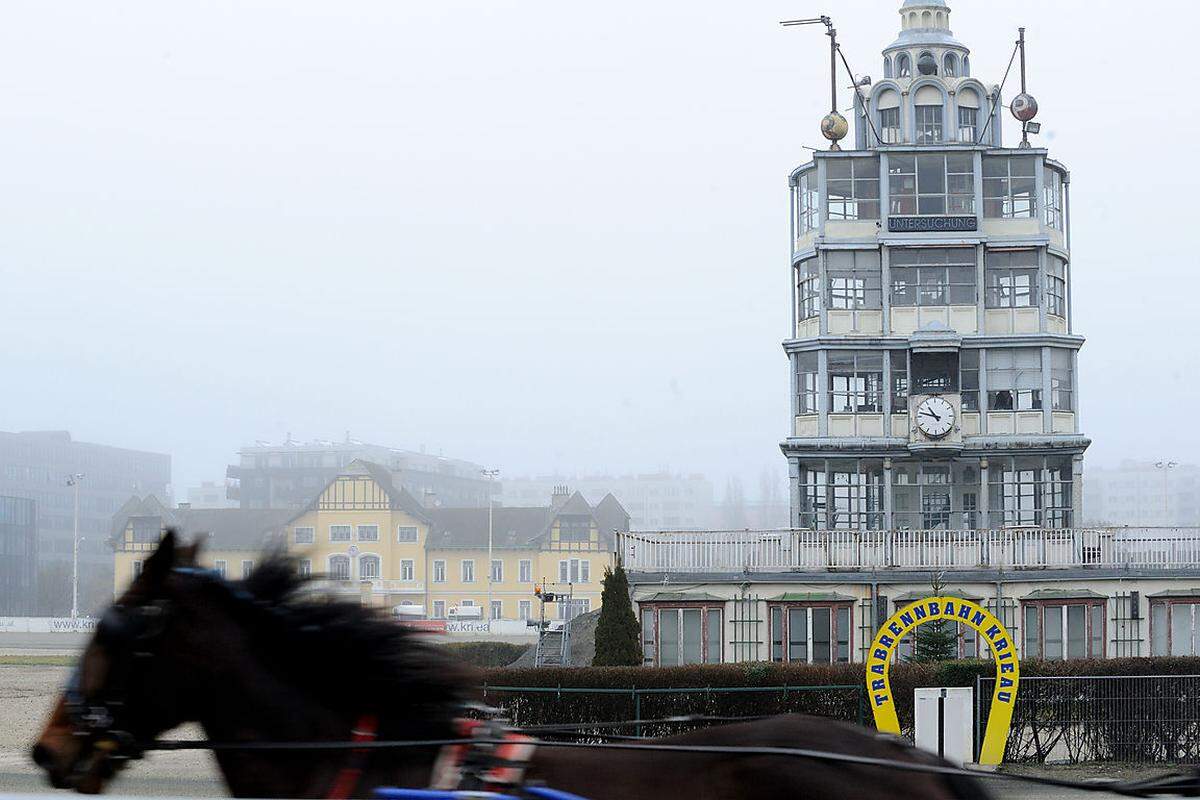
260,660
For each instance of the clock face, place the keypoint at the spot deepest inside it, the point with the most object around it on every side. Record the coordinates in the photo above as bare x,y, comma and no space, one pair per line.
935,417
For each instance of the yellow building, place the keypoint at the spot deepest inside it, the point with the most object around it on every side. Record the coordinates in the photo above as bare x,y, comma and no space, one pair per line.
372,538
233,538
368,537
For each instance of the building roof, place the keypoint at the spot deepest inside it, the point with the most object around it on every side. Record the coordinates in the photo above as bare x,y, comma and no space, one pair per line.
611,515
1062,594
512,526
400,497
812,597
220,528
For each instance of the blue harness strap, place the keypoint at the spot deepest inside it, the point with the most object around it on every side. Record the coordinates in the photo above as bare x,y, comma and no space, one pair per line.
537,792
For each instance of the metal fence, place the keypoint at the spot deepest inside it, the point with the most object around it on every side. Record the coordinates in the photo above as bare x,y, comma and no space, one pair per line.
793,549
643,709
1135,719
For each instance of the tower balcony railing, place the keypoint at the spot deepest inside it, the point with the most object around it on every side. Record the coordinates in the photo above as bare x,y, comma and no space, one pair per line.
795,550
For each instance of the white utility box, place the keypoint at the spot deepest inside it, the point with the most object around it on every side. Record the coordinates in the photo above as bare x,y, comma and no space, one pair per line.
944,720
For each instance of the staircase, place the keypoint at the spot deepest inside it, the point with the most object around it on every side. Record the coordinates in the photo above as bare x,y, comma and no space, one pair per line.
551,649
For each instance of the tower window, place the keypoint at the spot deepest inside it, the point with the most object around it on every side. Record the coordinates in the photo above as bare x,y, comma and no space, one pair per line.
854,279
852,188
1009,187
934,373
887,67
807,382
968,124
855,382
807,203
903,66
808,289
933,276
968,377
889,126
1052,184
1056,286
932,184
899,381
950,65
1062,380
929,124
1012,278
1014,379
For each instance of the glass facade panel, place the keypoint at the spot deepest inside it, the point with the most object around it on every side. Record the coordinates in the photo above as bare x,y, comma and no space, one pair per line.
797,634
1077,642
1056,286
692,636
854,279
807,383
1009,187
822,636
929,124
808,289
855,382
806,200
931,184
713,636
1158,630
933,276
1014,377
1012,278
1054,631
968,373
1181,629
852,188
668,638
899,381
935,495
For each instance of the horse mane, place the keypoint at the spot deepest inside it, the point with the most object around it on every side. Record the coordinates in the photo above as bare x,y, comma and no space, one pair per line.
349,656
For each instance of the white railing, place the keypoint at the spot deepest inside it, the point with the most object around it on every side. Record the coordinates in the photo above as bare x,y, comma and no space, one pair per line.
1015,548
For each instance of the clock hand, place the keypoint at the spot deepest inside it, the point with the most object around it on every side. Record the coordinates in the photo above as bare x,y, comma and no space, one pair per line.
928,413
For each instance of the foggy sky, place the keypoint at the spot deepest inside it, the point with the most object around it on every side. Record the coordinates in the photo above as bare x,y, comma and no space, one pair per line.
539,235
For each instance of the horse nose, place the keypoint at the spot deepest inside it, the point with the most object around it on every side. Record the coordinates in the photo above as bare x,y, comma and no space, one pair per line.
42,756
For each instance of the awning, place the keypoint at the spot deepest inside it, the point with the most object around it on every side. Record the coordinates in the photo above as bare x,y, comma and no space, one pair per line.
680,597
811,597
1064,594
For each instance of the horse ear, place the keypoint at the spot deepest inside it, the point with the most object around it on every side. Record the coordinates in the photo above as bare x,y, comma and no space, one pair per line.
159,565
189,555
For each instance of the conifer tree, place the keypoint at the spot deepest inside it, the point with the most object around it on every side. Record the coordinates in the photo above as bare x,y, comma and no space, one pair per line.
936,640
617,631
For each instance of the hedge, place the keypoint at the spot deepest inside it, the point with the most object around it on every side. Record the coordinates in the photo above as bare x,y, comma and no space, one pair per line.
540,708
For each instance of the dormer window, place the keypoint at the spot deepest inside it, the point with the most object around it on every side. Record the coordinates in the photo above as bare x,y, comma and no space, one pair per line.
966,70
927,64
950,65
887,67
903,66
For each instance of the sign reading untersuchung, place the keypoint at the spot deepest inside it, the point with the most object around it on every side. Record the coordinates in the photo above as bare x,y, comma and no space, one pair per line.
923,224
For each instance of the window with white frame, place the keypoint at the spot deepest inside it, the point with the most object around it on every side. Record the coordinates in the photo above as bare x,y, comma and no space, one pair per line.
810,633
929,123
1062,380
856,490
525,571
137,569
1030,491
1009,187
304,568
219,567
1014,379
574,570
807,202
899,381
933,276
1012,278
408,570
497,609
854,279
303,535
467,603
1057,630
497,571
813,499
468,570
570,609
368,568
524,609
439,609
935,496
339,533
1052,192
368,533
674,635
247,568
339,568
808,384
968,378
968,124
1175,626
808,289
855,381
1056,286
406,534
439,571
931,184
852,188
889,126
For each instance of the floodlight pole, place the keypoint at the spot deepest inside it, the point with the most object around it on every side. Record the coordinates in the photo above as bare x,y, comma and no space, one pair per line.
73,482
491,475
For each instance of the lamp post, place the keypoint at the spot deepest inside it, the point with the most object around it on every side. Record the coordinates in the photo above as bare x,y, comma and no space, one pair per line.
491,475
73,481
1166,467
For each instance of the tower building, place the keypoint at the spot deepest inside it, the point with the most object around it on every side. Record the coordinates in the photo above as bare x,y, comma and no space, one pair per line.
933,356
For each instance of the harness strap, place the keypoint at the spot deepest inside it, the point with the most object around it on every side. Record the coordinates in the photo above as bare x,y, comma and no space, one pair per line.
481,765
347,778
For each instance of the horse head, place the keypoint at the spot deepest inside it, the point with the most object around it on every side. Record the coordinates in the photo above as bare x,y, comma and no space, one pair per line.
125,688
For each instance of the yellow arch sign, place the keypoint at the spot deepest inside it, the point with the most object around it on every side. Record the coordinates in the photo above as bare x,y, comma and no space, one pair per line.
1008,670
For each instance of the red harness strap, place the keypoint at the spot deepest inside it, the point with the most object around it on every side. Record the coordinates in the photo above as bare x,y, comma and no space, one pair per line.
349,775
510,759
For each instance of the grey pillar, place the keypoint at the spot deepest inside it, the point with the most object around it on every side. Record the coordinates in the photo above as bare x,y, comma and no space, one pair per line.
822,392
984,521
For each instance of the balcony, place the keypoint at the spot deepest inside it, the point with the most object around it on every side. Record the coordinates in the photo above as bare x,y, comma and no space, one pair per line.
784,550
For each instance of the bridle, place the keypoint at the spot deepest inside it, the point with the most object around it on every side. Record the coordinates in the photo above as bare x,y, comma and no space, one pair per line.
131,636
